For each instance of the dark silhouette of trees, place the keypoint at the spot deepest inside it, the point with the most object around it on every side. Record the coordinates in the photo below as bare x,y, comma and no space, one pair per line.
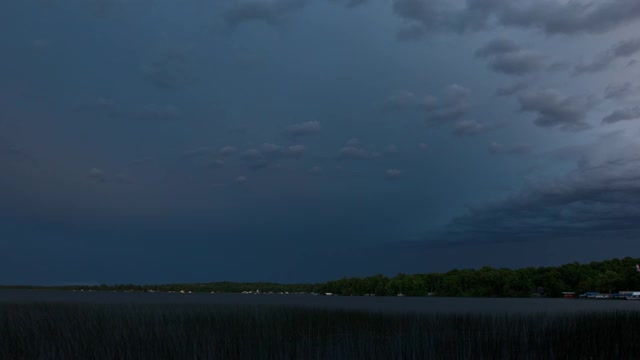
605,276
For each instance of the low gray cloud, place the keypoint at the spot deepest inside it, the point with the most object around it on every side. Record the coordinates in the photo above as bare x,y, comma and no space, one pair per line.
251,154
315,170
622,49
621,91
352,3
270,12
411,33
99,175
216,163
601,195
354,152
498,46
400,100
270,149
403,100
512,89
141,161
631,113
295,150
304,128
391,150
548,16
499,149
255,159
353,142
426,13
555,110
455,106
155,112
227,151
471,127
122,179
508,57
103,106
393,173
194,153
558,66
518,63
169,70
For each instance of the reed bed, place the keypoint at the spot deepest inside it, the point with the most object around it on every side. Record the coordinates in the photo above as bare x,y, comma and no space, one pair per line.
119,331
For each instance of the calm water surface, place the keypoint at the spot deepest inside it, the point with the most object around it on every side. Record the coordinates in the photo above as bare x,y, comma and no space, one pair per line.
385,304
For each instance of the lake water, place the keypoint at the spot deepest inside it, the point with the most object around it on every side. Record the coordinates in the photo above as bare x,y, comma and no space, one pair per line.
367,303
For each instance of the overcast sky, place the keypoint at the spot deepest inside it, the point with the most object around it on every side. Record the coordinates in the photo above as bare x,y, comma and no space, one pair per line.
157,141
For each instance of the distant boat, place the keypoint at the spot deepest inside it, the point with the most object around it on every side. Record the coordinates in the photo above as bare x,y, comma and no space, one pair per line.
633,296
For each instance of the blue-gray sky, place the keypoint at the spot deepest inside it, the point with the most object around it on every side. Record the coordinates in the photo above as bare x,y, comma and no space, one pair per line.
158,141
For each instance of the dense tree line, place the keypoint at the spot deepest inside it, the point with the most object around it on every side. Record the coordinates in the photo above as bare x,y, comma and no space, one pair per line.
605,276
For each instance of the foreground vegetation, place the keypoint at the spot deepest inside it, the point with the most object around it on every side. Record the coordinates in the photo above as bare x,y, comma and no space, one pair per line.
83,331
605,276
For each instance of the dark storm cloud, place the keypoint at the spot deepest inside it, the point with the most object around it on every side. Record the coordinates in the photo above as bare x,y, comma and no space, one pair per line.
507,57
411,33
597,197
567,17
518,63
273,12
270,12
497,46
631,113
558,66
623,49
548,16
352,3
555,110
426,12
511,90
454,107
621,91
499,149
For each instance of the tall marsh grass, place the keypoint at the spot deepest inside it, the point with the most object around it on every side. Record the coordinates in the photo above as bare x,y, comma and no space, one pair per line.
100,331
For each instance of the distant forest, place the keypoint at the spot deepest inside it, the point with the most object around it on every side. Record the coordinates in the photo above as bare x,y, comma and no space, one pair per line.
605,276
